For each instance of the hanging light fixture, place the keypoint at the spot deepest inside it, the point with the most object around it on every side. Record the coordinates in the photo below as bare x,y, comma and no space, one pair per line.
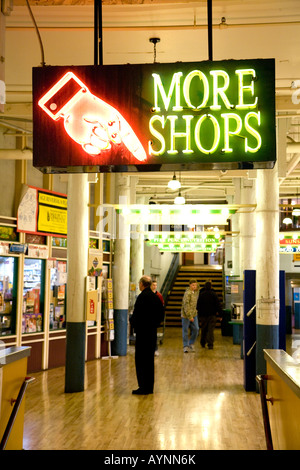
179,199
174,183
296,212
287,221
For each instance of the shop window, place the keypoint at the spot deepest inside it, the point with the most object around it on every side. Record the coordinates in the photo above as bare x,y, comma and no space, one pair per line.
8,294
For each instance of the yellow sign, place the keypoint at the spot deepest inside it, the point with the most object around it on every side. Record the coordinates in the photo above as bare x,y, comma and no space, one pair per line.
110,304
42,212
50,199
52,220
91,305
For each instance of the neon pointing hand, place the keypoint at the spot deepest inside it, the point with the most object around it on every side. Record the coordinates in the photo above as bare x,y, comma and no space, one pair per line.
88,120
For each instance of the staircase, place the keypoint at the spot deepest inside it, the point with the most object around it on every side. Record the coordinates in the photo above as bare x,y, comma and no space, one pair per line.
184,274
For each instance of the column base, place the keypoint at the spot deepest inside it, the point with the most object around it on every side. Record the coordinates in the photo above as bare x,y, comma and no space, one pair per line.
267,337
75,357
119,345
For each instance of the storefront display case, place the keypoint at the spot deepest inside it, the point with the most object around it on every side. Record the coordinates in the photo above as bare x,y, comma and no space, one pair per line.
33,295
8,295
58,291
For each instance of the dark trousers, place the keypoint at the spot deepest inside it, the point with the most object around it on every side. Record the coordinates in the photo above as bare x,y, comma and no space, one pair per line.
207,330
144,364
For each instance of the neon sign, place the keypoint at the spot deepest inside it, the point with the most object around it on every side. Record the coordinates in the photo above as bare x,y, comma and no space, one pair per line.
88,120
187,116
231,123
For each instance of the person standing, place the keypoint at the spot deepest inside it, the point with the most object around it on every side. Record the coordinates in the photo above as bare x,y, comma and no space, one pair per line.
208,305
147,315
154,289
189,316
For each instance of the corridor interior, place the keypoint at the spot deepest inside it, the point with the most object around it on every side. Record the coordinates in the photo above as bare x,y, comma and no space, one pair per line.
199,403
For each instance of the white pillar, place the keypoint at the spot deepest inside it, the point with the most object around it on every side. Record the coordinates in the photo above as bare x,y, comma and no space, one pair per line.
120,271
267,262
247,227
78,243
235,227
137,249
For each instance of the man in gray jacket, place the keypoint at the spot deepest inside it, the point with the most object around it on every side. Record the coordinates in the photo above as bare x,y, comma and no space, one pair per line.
189,316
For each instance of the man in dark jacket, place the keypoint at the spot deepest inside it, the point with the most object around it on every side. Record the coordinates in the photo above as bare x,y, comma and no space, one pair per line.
208,306
147,315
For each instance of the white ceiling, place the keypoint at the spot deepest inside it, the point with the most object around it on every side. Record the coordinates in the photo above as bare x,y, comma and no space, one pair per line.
252,29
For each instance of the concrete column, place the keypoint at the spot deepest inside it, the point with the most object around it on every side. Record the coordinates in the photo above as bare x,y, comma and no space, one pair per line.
247,227
137,257
78,243
137,246
2,61
267,265
120,270
235,219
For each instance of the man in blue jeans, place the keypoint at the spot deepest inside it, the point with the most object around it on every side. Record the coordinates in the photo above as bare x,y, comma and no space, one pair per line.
189,316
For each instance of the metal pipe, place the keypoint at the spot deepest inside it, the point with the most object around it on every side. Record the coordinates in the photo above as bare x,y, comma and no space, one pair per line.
209,24
98,33
43,63
95,32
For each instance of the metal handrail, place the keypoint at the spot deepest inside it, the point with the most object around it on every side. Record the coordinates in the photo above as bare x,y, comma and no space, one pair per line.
251,349
263,398
250,311
169,279
14,412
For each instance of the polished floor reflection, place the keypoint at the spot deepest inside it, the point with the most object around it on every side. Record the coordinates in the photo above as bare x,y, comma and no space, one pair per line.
199,403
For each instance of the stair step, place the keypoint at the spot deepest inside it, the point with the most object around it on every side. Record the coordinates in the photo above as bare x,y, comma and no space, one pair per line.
185,273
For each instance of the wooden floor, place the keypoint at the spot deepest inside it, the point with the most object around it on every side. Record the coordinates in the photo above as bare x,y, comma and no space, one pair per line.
199,403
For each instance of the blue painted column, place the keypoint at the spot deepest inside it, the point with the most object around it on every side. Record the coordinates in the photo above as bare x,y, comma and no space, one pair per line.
78,242
120,271
267,265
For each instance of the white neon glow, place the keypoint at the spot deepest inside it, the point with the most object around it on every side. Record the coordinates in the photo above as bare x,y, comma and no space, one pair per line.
252,131
227,131
158,87
186,88
216,132
246,88
220,90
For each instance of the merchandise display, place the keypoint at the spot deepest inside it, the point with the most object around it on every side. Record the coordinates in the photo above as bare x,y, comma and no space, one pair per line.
57,315
33,295
8,274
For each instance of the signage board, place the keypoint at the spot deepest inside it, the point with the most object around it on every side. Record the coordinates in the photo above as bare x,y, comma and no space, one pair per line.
42,212
149,117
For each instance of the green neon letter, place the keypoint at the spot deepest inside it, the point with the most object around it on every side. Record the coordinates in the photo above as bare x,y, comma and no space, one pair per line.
227,130
187,84
220,90
216,133
175,84
252,131
157,134
245,88
174,135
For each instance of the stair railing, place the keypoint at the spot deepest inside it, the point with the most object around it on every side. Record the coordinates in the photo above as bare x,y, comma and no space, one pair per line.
170,277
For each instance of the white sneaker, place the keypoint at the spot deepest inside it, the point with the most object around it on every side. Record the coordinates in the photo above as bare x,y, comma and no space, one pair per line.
156,353
186,349
192,348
